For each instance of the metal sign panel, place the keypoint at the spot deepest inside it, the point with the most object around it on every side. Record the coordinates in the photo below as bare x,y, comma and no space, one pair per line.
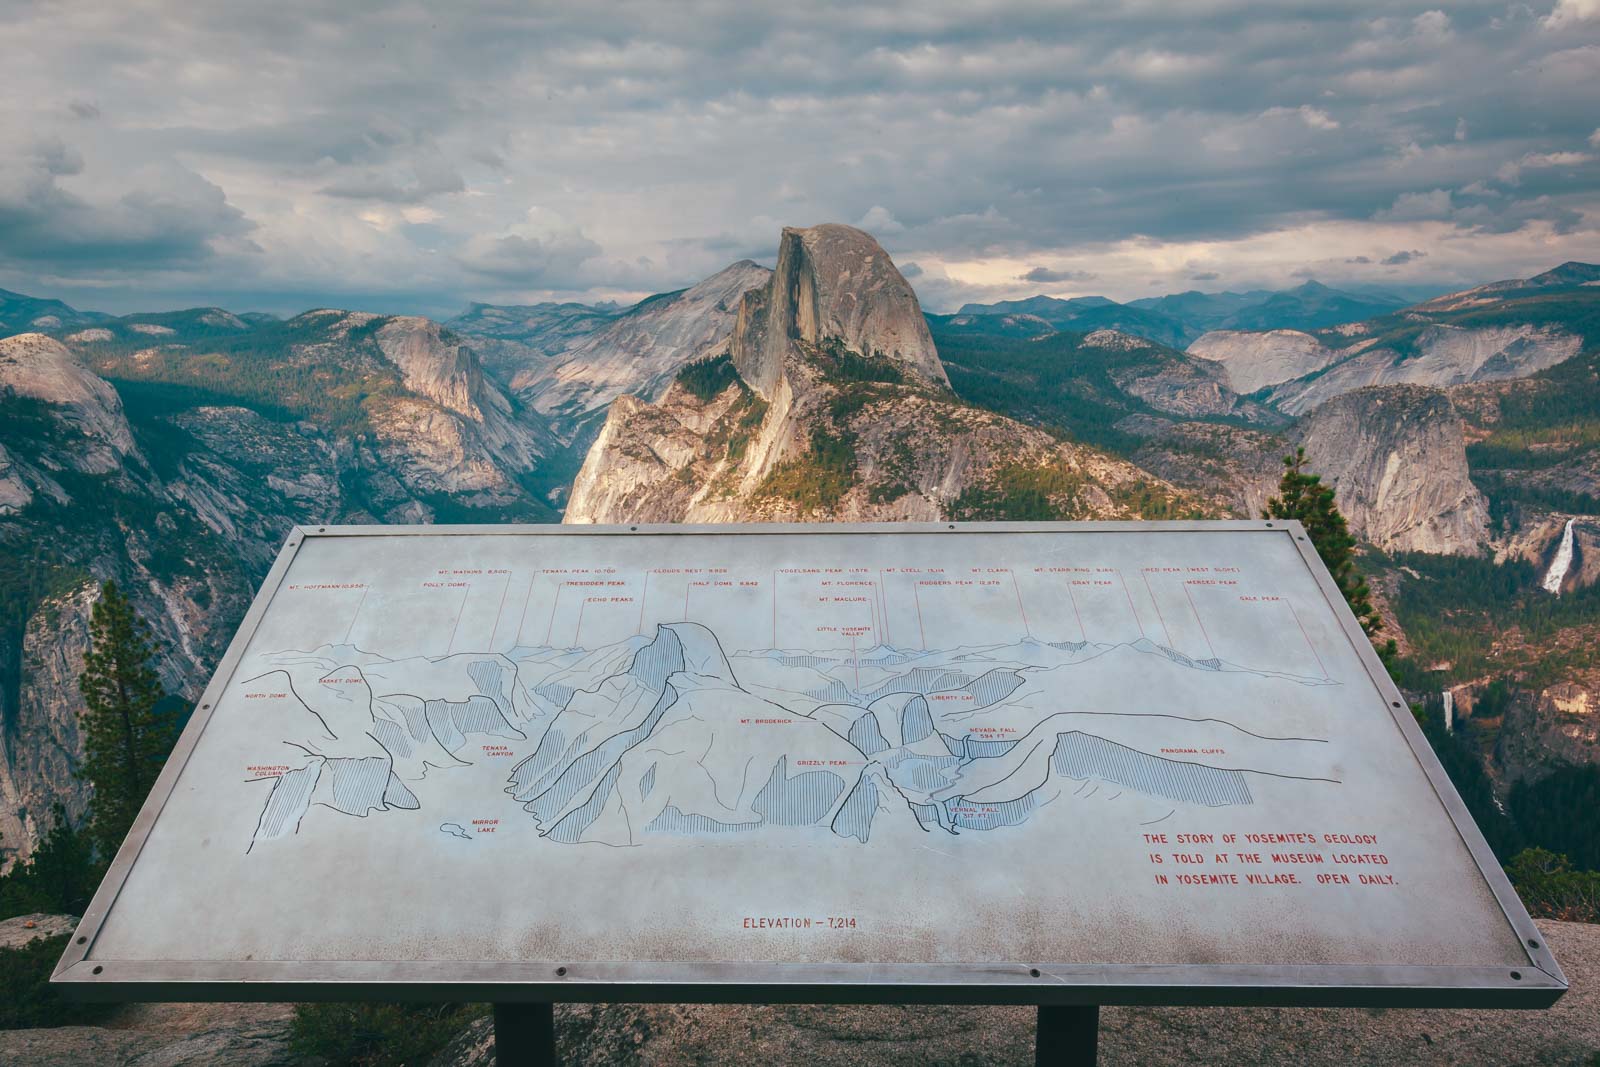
1036,763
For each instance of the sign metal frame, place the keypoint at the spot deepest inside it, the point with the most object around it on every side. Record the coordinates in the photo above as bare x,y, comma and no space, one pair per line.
1536,983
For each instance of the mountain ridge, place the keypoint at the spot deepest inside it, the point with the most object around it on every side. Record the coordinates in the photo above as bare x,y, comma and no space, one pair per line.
1179,318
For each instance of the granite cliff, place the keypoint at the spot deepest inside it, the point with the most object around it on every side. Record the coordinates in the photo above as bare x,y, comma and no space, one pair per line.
93,435
832,283
39,741
1256,360
567,366
832,404
1397,458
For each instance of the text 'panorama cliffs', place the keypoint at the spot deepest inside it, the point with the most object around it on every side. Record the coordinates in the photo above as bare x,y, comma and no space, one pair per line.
830,401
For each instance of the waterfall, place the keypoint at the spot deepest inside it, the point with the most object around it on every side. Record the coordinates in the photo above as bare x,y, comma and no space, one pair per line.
1558,566
1449,710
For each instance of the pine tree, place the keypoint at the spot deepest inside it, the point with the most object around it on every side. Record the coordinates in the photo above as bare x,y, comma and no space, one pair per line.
1301,495
126,739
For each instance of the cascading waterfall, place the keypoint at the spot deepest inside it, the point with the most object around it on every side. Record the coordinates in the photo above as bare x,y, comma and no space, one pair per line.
1449,710
1558,566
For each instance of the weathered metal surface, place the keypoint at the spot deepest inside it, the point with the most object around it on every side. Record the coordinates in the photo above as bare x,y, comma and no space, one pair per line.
1051,763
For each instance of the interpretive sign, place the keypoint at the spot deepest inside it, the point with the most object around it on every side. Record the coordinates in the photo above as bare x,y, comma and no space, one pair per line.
1027,763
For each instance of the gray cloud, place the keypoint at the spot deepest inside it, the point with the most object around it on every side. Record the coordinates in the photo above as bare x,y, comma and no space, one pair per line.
412,184
1403,257
1045,274
163,216
393,156
550,262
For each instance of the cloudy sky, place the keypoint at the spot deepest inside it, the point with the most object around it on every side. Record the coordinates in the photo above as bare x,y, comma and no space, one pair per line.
415,157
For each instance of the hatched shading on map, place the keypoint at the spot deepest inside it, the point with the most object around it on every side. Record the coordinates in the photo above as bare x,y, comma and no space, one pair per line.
1140,745
668,733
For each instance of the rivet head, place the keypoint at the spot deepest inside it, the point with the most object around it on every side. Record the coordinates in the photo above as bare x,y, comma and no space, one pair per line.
561,972
1034,973
98,969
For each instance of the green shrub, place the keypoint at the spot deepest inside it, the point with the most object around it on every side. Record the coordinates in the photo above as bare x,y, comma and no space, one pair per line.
1551,889
378,1035
26,998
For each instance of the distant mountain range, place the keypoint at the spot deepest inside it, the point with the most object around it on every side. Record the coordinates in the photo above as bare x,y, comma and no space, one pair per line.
508,333
19,314
1178,318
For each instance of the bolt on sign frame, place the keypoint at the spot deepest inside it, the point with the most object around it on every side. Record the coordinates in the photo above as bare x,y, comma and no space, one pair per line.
1029,763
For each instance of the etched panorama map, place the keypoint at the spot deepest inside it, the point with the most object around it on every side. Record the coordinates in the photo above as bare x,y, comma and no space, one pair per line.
1139,746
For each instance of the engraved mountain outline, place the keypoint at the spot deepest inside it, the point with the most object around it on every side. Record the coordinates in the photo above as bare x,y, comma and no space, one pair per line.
668,734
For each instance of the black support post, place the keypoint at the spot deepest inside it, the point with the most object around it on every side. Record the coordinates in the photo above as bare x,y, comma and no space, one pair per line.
525,1035
1069,1036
